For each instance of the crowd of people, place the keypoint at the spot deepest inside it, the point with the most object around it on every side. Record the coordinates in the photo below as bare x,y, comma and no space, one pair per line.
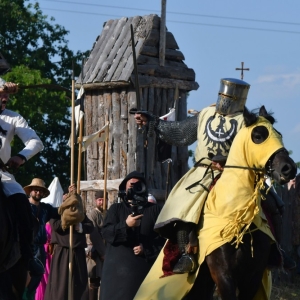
114,250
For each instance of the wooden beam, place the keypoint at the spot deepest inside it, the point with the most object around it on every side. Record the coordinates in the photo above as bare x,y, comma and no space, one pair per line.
95,185
167,83
113,185
103,85
162,36
170,53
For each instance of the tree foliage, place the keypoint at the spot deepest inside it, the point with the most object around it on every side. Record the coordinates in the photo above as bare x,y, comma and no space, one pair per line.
37,51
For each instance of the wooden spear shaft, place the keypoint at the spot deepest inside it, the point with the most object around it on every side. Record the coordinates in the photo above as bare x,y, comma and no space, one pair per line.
70,296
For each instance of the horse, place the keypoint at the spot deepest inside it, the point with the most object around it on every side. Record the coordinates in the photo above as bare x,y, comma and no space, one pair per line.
234,237
13,271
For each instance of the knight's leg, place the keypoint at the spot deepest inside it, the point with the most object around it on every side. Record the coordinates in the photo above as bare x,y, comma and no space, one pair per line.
19,276
187,263
23,214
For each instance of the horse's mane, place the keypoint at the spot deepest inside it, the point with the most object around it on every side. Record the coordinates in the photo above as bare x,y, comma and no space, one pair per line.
251,117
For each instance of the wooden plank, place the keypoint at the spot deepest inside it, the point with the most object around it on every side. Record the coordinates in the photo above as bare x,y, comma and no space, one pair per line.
126,43
113,186
132,133
173,72
126,52
150,150
101,146
97,50
166,83
140,34
128,67
107,110
170,54
94,116
124,133
150,60
116,134
103,85
108,54
154,36
88,126
174,177
155,21
164,107
95,185
157,165
99,64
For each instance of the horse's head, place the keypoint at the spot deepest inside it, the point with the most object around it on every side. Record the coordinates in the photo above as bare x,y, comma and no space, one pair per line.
266,143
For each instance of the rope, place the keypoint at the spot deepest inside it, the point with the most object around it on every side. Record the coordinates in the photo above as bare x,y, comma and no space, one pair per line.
240,225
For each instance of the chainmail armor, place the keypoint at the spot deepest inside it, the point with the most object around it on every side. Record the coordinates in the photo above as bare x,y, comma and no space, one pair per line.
178,133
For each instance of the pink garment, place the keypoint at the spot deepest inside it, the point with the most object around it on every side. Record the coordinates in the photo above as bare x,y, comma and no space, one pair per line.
40,291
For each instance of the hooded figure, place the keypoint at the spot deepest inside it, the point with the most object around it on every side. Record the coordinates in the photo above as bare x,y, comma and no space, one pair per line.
132,244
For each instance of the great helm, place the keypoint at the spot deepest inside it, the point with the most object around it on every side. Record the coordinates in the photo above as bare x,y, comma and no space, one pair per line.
232,96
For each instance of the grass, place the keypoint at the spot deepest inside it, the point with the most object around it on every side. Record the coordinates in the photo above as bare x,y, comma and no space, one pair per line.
286,291
283,290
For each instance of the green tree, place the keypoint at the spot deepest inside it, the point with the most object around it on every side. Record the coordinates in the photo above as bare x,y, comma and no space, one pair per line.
27,37
38,53
47,113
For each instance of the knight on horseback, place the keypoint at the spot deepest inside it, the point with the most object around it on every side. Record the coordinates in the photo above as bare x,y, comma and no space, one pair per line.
12,123
215,128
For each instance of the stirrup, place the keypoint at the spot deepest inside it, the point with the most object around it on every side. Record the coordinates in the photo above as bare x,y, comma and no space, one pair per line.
186,264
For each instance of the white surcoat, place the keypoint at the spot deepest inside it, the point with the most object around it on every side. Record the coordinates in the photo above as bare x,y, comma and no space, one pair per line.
15,124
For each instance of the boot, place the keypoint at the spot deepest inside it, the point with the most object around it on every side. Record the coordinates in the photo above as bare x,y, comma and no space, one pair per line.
187,262
93,294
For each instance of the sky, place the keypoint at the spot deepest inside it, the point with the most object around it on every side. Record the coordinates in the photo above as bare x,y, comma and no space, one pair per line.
215,37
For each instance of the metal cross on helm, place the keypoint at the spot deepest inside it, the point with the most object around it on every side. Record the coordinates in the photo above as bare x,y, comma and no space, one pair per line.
242,69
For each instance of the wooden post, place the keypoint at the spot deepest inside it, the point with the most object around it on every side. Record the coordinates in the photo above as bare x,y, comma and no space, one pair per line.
162,38
105,165
79,155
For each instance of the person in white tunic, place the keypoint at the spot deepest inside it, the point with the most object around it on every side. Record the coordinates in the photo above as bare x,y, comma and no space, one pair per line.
11,124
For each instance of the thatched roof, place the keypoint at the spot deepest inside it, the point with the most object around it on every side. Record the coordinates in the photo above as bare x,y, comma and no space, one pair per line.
110,63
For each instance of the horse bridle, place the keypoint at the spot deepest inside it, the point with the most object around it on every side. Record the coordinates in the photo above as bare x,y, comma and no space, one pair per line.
268,170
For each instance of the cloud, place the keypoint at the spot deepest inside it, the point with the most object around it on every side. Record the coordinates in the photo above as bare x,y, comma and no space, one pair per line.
290,80
296,128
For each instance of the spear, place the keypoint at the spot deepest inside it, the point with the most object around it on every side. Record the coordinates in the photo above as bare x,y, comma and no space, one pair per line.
34,86
72,181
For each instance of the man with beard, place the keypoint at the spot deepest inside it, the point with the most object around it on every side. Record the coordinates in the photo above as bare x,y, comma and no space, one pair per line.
96,246
42,213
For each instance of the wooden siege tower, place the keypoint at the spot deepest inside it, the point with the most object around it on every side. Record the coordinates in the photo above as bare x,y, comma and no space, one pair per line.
108,80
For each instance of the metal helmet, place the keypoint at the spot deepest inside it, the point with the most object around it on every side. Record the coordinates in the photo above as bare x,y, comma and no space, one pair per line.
232,96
